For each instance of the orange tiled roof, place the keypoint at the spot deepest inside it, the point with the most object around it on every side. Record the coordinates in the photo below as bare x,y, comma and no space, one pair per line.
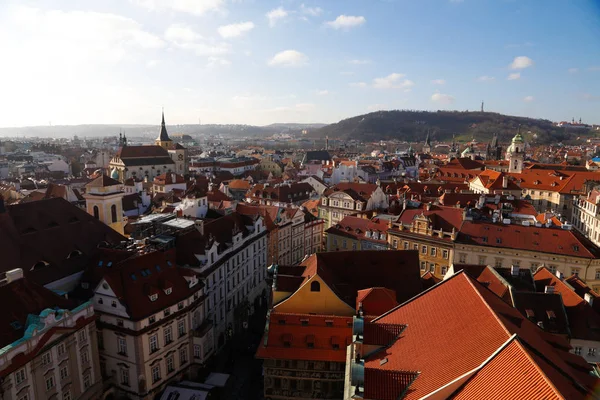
480,323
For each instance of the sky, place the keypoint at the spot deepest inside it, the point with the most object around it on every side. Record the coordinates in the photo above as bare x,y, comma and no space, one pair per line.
260,61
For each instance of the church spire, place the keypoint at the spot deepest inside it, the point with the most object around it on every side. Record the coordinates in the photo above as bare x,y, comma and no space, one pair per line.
163,136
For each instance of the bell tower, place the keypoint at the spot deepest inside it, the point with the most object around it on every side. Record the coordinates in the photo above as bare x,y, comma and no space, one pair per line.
103,200
515,154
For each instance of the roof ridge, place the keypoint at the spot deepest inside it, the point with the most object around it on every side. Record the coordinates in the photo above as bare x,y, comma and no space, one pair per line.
472,283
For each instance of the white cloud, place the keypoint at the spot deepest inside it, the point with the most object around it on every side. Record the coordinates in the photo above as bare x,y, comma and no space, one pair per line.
184,37
359,62
442,98
521,62
346,22
235,30
276,15
152,63
573,70
195,7
311,11
528,99
358,84
217,62
595,68
181,33
514,76
486,78
75,37
289,58
438,82
322,92
393,81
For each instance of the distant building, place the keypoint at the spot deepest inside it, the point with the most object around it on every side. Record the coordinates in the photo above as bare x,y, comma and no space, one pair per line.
348,198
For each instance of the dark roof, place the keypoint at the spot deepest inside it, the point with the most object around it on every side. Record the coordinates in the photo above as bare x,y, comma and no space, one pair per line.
317,155
136,278
103,181
142,152
163,136
136,162
543,308
21,298
45,238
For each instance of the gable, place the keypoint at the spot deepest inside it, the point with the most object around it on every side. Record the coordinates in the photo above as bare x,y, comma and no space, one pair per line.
323,302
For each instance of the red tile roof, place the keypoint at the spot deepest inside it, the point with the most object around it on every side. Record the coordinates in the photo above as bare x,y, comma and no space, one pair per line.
511,374
142,152
480,323
322,330
102,181
442,217
167,179
135,279
545,240
429,280
357,228
376,301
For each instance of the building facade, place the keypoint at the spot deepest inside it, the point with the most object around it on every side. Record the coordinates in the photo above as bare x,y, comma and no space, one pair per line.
350,198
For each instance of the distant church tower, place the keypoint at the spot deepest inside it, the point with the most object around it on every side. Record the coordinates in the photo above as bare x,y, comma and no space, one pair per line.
177,152
494,150
515,154
103,200
427,146
453,153
482,106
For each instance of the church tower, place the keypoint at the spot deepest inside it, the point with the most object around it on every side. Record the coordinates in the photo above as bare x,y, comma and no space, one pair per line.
103,200
163,140
427,146
515,154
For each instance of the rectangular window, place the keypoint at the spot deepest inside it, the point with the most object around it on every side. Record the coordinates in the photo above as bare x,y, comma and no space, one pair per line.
481,260
552,268
423,249
395,243
87,381
153,343
49,383
598,274
182,356
444,270
197,351
180,305
167,312
432,268
64,373
82,335
592,352
61,349
423,265
433,251
354,247
46,359
84,356
168,335
170,365
24,397
122,346
406,246
124,377
181,327
445,254
498,263
67,395
415,246
462,258
577,350
155,373
151,320
575,271
20,376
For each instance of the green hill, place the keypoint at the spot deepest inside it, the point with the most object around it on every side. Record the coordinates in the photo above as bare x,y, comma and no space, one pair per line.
413,126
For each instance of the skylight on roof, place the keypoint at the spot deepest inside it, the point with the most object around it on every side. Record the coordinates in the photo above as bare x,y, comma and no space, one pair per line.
109,264
133,277
158,268
100,263
16,325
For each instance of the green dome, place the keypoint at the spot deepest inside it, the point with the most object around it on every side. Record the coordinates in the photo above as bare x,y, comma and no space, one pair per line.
518,138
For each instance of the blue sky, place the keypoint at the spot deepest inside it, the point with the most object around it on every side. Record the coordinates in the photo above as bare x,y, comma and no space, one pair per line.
259,61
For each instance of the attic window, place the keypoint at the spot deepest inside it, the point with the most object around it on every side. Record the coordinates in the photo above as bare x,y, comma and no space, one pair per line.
310,341
153,297
158,268
530,314
74,253
52,224
575,248
39,265
133,277
498,240
315,286
16,325
551,315
168,290
304,322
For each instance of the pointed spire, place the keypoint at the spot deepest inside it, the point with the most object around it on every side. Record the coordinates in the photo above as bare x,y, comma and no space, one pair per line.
163,136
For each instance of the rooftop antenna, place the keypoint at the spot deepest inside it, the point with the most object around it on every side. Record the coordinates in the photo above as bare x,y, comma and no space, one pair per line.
481,105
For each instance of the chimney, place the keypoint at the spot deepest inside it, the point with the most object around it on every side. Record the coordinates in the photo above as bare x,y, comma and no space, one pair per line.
549,289
14,275
514,270
504,181
560,275
589,298
428,206
174,178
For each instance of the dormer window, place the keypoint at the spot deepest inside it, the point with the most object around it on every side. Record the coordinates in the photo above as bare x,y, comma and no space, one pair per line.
168,290
154,297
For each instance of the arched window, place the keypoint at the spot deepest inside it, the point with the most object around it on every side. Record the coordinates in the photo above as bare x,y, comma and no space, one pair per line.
96,212
113,212
315,286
